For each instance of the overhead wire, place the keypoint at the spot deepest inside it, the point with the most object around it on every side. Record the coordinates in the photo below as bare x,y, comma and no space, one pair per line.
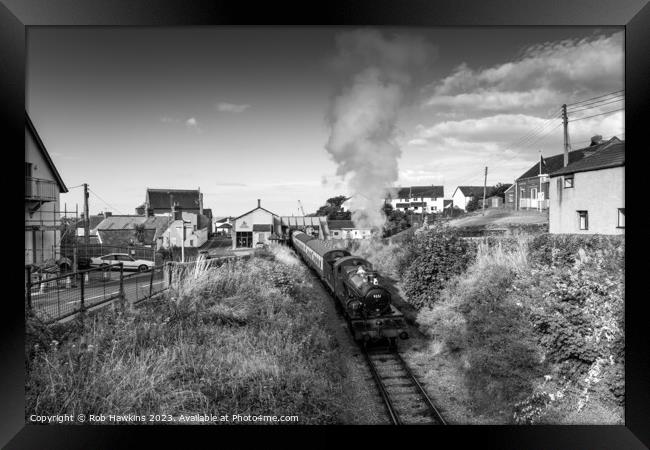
594,115
597,105
104,201
594,98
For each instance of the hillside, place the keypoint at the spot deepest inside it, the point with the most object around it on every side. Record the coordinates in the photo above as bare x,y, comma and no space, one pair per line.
500,218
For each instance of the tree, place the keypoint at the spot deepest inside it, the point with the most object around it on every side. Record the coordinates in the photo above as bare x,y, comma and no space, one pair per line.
472,205
500,189
138,232
333,208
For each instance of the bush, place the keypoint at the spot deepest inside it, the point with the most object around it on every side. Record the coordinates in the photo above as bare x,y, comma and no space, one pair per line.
563,249
430,261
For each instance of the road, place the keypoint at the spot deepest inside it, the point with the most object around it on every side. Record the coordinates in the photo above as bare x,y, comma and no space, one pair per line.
62,300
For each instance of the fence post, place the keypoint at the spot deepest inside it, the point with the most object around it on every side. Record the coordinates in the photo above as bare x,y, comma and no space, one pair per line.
122,296
82,291
153,269
29,287
169,274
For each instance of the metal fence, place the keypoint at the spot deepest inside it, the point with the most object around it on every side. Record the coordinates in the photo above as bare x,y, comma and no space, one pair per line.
53,298
97,250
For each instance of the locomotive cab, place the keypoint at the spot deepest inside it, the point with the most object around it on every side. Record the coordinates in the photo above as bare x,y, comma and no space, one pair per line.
359,284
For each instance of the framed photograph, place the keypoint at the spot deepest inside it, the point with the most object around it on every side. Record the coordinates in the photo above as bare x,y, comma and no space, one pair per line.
365,214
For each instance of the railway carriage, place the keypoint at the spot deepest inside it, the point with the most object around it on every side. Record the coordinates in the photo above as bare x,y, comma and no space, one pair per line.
356,286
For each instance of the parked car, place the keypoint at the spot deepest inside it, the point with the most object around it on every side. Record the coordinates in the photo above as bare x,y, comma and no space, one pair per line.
130,263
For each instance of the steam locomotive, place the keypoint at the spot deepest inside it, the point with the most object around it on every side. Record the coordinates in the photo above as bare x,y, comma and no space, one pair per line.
355,285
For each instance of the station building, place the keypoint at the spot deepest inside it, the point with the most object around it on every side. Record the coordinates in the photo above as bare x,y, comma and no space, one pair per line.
255,226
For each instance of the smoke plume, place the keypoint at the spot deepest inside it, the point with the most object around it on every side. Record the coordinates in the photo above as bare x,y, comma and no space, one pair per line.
377,71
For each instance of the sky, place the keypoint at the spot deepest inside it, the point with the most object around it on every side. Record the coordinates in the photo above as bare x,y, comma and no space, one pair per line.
289,114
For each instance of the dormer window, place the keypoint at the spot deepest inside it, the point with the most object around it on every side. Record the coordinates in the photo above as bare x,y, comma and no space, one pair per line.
568,181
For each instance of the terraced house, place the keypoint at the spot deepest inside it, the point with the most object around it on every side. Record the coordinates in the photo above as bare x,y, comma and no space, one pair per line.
588,195
419,199
531,189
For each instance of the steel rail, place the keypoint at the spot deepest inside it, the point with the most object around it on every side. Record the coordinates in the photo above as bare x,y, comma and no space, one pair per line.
392,413
432,407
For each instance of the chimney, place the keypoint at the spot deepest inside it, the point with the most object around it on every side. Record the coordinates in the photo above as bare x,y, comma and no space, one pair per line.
200,202
108,214
259,203
595,140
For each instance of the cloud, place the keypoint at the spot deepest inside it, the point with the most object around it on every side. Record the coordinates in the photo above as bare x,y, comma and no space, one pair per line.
547,74
231,107
230,184
167,119
192,124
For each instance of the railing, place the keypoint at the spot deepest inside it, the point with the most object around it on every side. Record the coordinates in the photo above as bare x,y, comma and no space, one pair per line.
531,203
53,298
39,189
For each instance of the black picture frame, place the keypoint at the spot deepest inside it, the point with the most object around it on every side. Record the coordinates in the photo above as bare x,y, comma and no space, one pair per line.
634,15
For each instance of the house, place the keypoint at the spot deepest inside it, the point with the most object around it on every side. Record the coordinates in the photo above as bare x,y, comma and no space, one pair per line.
346,229
532,187
222,225
419,199
253,227
509,197
43,186
587,196
464,194
493,201
163,201
186,229
122,230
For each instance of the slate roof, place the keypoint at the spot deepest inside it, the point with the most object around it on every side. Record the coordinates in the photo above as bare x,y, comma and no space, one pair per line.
46,155
119,231
255,209
612,155
475,191
94,221
556,162
417,191
161,198
340,224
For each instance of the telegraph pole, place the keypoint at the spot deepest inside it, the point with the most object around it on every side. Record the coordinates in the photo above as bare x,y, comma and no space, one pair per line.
86,218
484,190
565,121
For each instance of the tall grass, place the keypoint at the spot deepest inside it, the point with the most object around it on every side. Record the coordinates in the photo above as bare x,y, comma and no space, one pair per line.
245,337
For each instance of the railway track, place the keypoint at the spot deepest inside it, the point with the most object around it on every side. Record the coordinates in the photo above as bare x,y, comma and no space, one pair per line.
405,399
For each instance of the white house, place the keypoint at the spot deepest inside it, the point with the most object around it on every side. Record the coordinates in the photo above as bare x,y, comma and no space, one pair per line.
255,226
346,229
588,196
193,227
43,185
463,194
419,199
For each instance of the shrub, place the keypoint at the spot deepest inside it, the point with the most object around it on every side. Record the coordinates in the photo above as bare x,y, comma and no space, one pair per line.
431,260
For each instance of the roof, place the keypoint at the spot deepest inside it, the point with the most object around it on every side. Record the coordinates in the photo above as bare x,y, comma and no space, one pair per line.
417,191
94,221
224,225
46,155
474,191
120,222
612,155
255,209
207,212
261,227
340,224
301,221
556,162
161,198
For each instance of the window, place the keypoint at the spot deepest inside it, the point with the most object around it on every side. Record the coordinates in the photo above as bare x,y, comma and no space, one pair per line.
568,181
621,218
28,169
583,220
522,193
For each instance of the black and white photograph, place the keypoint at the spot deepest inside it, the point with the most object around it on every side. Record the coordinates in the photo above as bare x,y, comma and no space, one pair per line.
333,225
